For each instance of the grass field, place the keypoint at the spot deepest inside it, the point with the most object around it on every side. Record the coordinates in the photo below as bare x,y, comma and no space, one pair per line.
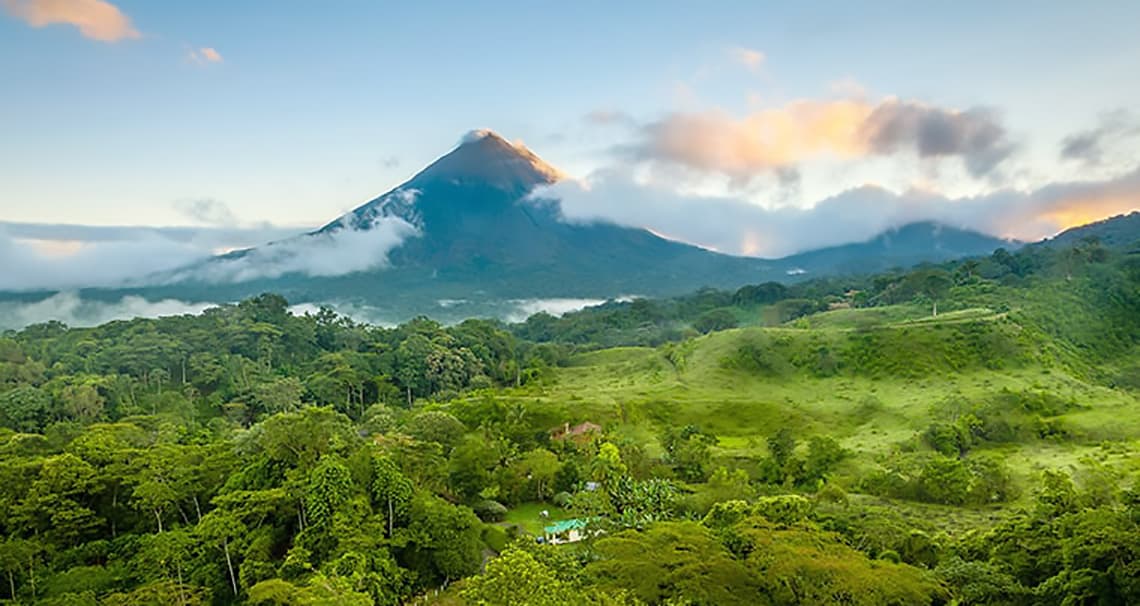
526,516
887,384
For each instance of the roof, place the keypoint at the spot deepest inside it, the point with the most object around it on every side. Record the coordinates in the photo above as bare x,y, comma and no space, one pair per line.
565,525
586,427
581,429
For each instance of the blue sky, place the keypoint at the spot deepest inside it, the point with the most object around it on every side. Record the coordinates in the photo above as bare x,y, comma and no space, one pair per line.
302,110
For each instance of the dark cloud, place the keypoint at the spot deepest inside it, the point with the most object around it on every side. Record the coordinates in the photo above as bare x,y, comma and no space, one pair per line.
975,135
1089,146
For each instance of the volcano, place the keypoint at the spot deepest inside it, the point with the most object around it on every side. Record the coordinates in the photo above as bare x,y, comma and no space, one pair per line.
472,226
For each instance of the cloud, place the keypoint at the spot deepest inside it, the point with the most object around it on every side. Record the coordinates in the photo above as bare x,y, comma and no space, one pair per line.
204,55
737,226
73,310
44,256
348,248
390,162
525,308
761,142
974,135
749,58
95,19
1089,146
321,254
772,140
474,135
608,117
207,211
60,257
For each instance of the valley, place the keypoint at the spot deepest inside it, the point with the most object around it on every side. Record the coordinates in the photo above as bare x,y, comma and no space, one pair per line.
832,440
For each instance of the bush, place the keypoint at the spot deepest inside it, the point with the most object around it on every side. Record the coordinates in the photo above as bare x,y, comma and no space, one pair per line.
784,509
496,538
832,494
717,319
944,480
490,511
562,500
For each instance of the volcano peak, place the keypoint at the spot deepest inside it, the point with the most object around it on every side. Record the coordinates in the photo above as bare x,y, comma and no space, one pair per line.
483,156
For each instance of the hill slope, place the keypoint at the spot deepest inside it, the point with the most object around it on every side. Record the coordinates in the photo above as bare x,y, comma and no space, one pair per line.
464,238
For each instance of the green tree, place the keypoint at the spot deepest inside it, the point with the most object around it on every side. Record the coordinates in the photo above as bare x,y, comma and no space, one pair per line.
319,590
472,463
443,540
824,453
714,320
944,480
931,283
540,466
436,426
391,490
673,562
82,402
280,395
515,578
607,467
25,408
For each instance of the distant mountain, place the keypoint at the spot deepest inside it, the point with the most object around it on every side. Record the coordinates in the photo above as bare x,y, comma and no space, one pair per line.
900,247
1121,230
466,229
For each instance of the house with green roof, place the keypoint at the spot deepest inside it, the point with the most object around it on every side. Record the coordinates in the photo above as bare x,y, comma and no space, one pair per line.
565,531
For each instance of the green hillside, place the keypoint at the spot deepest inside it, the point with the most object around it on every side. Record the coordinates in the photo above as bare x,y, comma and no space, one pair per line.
963,433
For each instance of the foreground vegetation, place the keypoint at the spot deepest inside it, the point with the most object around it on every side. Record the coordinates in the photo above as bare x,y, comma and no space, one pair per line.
964,433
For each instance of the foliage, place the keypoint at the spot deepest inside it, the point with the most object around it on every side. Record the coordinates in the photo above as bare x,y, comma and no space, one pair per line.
871,453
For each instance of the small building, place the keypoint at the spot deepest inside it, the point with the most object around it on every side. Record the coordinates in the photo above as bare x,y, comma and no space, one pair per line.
580,433
565,531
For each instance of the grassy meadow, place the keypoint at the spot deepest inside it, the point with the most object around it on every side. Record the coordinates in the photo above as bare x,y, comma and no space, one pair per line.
871,378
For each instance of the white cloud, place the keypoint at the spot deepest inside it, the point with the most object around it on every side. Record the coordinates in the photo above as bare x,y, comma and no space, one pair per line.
51,264
328,253
749,58
71,309
54,257
204,55
94,19
43,256
737,226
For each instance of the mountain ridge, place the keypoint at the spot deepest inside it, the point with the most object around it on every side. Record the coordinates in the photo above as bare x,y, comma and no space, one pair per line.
465,227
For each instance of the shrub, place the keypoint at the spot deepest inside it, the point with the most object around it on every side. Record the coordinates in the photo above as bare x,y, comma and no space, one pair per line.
890,555
496,538
562,500
716,319
490,511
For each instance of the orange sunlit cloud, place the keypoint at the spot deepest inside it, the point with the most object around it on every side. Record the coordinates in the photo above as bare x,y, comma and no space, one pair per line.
95,19
779,139
765,139
204,55
1081,212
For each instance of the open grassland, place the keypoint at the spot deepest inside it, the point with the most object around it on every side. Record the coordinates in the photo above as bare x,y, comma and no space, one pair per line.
528,517
872,379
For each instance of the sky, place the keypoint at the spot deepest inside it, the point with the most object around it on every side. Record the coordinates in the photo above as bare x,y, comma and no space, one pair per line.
748,127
